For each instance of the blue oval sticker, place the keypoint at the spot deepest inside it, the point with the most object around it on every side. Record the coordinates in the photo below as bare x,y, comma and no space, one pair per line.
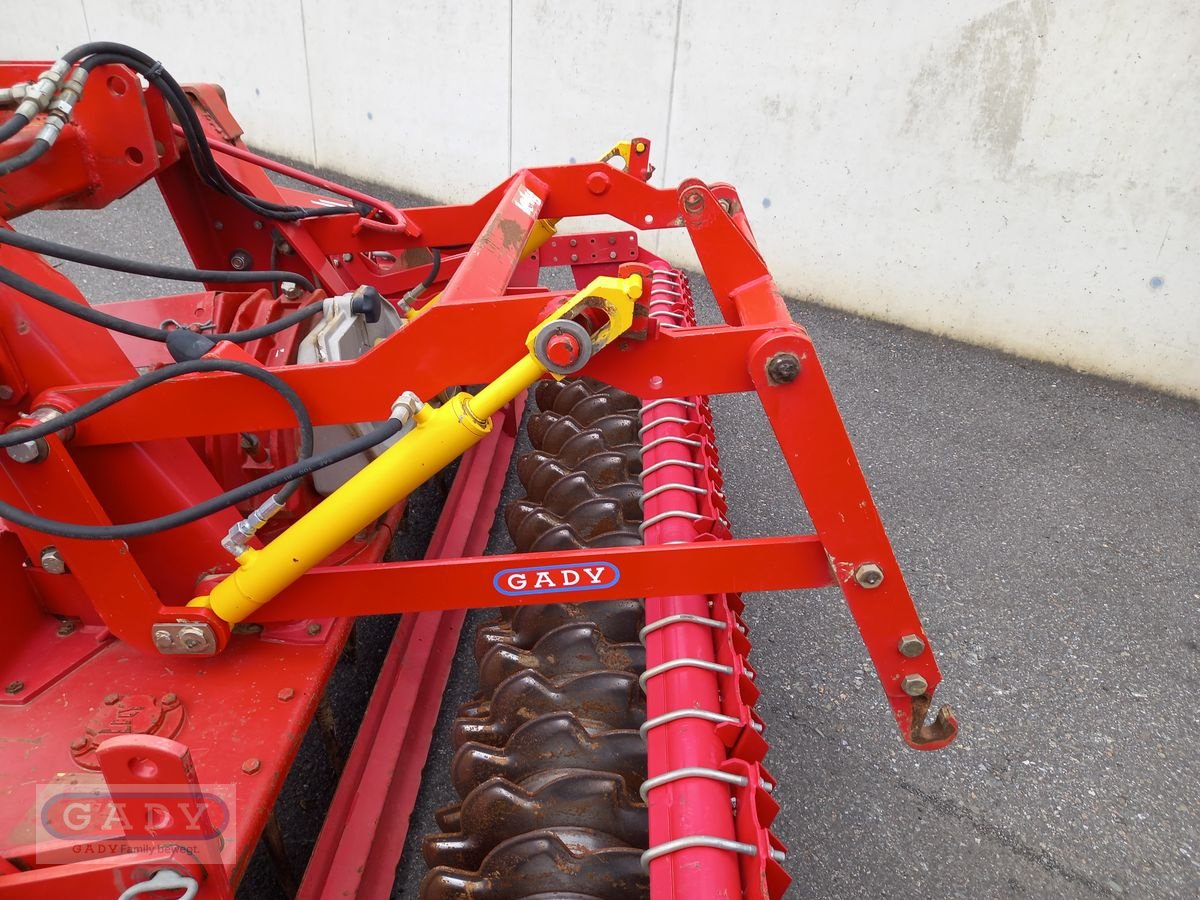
589,576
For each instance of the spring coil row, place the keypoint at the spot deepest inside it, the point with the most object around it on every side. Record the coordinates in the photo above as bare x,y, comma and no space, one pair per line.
689,427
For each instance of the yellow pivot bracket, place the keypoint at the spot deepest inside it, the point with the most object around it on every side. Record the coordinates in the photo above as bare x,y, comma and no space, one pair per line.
544,229
440,436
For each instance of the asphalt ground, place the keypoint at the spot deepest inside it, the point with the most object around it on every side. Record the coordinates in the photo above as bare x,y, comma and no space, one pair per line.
1048,524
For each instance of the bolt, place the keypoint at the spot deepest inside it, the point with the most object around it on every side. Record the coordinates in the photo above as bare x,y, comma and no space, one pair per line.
6,392
611,241
30,451
14,687
313,628
286,694
612,254
868,575
192,638
574,257
52,561
111,699
597,183
252,765
347,257
574,242
640,147
169,700
240,260
80,744
562,350
291,290
258,226
911,646
783,368
163,639
65,627
914,685
693,201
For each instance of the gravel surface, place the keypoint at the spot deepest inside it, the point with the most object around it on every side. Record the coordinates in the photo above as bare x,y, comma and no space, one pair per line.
1047,523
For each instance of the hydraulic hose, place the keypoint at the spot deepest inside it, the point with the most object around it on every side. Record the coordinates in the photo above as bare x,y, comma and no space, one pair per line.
158,376
107,52
137,267
12,126
29,155
206,508
50,298
97,53
79,310
71,418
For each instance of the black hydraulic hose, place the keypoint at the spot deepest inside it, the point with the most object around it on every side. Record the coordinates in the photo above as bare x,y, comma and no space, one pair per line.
27,156
43,294
12,126
157,376
137,267
290,476
79,310
206,508
105,52
434,269
261,331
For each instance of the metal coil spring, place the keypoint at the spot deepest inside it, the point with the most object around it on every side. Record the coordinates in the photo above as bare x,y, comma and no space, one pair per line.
668,293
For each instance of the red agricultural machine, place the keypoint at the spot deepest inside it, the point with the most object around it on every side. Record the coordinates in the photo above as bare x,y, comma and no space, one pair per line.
198,494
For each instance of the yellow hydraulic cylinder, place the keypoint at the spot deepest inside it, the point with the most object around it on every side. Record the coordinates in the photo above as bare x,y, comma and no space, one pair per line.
439,437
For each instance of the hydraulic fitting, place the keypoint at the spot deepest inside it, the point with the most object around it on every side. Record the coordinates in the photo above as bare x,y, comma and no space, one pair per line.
239,535
39,94
405,408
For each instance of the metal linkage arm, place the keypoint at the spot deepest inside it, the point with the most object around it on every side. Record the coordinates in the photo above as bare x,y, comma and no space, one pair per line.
439,437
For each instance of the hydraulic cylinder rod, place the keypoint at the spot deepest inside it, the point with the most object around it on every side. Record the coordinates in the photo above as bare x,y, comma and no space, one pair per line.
440,436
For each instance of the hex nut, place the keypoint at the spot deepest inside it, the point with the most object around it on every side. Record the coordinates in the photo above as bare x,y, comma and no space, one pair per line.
30,451
52,561
783,368
252,765
291,290
868,575
14,687
163,639
911,646
111,699
914,685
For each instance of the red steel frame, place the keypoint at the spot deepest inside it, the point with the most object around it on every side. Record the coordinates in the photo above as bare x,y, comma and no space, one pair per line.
147,455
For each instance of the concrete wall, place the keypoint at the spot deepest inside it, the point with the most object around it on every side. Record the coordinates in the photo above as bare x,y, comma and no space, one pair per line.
1018,174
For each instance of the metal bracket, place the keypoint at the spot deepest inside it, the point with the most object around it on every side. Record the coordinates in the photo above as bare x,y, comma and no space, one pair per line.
184,638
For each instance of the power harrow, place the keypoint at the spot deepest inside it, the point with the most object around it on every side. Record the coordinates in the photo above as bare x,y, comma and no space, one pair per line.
199,492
